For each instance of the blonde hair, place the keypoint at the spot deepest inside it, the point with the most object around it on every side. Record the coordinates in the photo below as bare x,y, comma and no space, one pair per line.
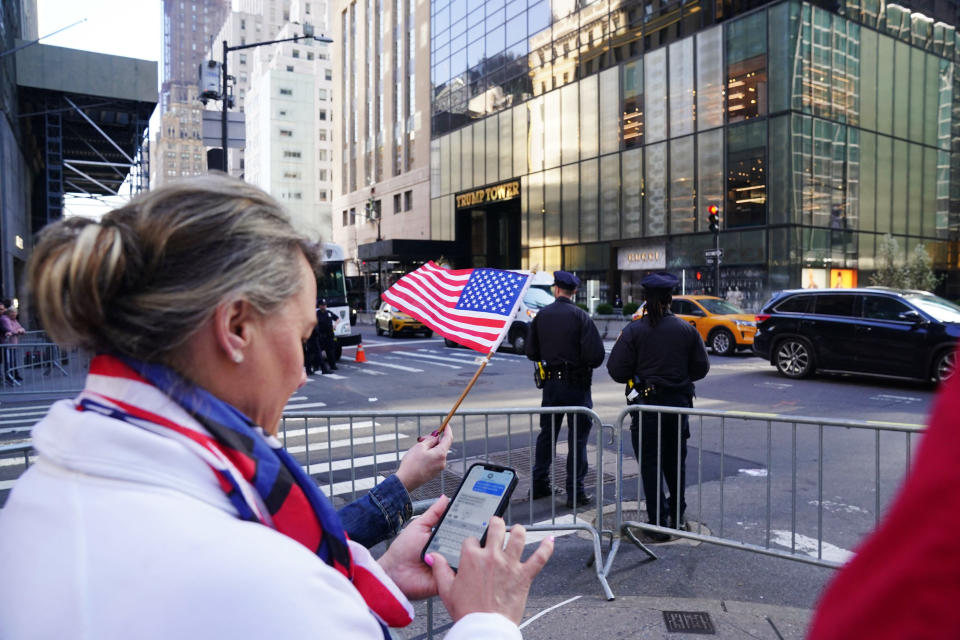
149,274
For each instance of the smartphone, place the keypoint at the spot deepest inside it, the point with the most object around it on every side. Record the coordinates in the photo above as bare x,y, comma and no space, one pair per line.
484,492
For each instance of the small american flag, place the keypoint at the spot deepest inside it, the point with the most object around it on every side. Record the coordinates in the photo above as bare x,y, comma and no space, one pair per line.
473,307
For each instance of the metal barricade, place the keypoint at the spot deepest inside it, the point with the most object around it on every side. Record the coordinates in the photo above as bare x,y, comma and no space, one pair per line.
749,486
31,368
14,460
350,451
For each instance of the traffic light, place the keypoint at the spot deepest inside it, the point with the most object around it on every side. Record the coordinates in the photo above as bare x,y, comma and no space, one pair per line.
699,276
713,216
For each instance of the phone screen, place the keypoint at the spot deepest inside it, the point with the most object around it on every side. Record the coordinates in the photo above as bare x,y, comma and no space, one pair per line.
479,497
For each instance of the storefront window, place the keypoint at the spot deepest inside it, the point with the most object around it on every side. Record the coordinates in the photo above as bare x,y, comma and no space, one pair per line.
746,176
746,67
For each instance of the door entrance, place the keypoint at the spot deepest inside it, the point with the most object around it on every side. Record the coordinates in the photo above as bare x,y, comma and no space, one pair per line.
489,235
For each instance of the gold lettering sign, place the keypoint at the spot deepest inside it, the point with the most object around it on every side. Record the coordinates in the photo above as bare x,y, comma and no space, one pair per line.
496,193
643,256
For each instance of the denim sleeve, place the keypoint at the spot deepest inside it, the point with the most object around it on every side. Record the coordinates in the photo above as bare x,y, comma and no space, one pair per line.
378,515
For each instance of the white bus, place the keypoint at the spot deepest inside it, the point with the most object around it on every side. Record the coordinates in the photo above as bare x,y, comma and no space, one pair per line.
333,286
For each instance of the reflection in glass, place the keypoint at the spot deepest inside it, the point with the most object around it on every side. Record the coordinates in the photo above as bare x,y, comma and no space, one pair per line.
681,185
656,190
535,210
570,196
589,200
632,162
710,78
710,174
570,127
610,196
746,180
589,118
609,110
551,207
632,126
746,67
655,94
681,87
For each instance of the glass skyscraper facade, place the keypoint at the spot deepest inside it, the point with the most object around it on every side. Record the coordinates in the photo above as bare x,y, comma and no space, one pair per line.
814,129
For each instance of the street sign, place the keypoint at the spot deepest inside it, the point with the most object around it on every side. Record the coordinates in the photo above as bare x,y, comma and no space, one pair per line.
712,259
713,252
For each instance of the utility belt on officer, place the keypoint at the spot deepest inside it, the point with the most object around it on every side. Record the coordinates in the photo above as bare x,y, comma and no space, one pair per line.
565,372
640,391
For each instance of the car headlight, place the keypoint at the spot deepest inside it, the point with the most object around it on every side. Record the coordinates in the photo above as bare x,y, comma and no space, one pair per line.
745,323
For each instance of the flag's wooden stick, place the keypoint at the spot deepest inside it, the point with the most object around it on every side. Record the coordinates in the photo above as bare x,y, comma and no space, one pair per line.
463,395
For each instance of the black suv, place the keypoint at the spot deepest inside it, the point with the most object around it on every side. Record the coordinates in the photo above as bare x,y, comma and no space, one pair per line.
878,331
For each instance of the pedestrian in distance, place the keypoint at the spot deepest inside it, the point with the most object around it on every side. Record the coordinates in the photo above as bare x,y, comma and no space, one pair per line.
12,330
326,342
565,344
659,356
161,501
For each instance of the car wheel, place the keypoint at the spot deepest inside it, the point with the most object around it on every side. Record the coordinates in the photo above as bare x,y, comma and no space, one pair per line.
519,342
378,329
391,332
722,342
450,343
428,333
794,358
944,365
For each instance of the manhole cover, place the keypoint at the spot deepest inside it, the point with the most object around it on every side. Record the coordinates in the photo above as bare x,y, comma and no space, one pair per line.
689,622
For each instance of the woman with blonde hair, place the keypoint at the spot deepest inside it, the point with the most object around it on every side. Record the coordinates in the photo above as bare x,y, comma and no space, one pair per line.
161,504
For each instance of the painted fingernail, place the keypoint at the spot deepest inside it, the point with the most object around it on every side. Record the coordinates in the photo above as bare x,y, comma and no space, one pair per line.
551,538
428,559
435,433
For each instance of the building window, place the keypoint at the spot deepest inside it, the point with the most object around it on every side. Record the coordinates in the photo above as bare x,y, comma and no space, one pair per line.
290,68
407,200
323,114
292,175
243,58
632,104
353,216
322,175
243,23
746,68
344,218
291,154
323,195
286,133
746,178
322,133
328,74
286,92
322,94
309,55
322,155
396,204
282,113
296,53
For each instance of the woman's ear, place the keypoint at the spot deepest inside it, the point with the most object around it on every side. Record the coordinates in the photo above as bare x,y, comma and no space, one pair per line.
233,328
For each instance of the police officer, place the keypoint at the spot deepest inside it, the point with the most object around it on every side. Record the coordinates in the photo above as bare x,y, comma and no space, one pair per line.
659,356
566,343
326,321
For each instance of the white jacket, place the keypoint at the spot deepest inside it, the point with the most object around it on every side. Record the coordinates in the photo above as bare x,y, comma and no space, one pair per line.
118,533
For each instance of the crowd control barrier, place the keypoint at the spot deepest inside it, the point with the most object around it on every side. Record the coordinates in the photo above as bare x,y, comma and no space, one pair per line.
34,366
349,452
752,483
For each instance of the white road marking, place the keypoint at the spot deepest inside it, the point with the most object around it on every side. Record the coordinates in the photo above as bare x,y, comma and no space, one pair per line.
757,473
373,373
24,408
332,376
780,386
313,431
294,398
836,507
15,430
23,420
304,405
347,463
395,366
887,397
808,545
548,610
361,484
438,364
336,444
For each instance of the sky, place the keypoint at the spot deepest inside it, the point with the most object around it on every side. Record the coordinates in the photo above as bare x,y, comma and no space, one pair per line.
132,28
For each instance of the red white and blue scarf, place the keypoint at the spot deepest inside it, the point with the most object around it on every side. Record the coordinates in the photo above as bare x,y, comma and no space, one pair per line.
262,480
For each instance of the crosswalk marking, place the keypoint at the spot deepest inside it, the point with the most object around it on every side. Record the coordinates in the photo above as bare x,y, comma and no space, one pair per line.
313,431
332,376
360,484
304,405
430,360
326,446
24,408
347,463
394,366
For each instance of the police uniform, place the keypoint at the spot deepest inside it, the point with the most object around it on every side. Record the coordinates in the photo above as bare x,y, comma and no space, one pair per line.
660,364
564,338
325,340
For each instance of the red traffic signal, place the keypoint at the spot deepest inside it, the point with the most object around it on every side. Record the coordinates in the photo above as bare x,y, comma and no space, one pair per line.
713,218
699,275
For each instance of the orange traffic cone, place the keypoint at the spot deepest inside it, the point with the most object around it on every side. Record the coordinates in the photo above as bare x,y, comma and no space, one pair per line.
361,356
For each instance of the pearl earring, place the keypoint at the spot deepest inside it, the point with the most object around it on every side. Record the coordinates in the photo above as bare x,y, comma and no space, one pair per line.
238,357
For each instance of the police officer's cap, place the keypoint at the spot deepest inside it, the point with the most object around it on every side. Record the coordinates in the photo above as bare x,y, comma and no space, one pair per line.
660,280
565,280
322,302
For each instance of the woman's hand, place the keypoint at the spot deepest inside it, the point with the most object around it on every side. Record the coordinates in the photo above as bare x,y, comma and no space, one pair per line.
402,560
491,579
425,460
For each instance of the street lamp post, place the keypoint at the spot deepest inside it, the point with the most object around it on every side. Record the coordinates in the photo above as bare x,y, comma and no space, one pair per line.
307,35
373,214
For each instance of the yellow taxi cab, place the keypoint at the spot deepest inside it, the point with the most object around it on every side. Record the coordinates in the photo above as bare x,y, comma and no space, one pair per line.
391,321
723,326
